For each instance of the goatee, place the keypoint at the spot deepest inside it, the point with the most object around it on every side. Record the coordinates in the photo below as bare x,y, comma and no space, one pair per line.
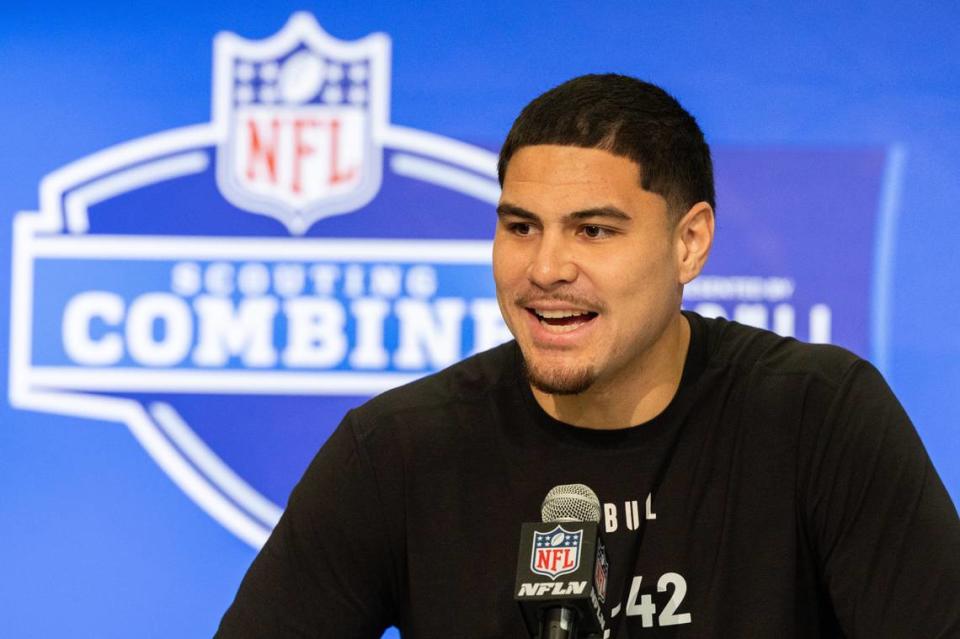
563,381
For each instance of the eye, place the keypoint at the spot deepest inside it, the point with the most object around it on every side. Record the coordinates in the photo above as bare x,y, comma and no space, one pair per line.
595,232
519,228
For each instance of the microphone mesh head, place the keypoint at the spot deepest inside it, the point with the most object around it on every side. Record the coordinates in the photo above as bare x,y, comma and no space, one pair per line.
570,502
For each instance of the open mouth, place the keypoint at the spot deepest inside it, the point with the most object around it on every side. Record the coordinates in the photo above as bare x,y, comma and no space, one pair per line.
562,321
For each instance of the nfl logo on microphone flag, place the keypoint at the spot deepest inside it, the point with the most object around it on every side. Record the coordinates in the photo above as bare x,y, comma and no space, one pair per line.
556,552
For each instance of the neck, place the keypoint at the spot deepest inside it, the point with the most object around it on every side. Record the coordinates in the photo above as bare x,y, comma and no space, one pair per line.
635,396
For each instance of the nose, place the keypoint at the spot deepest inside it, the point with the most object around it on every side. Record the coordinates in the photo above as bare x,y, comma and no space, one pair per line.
553,263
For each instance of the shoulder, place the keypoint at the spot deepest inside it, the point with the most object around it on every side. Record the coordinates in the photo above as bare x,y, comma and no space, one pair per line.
470,381
745,350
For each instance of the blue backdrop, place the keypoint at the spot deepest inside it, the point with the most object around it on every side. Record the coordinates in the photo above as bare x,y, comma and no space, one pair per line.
836,134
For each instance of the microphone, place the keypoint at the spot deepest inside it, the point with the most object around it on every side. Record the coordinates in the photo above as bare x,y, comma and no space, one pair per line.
562,567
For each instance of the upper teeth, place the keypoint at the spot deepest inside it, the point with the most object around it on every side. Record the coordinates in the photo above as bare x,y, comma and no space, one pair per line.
559,314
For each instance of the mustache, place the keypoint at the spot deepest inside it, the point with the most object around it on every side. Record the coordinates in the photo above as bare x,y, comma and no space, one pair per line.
530,298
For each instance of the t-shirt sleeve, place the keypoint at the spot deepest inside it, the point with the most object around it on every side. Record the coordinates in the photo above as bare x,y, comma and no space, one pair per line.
330,567
884,529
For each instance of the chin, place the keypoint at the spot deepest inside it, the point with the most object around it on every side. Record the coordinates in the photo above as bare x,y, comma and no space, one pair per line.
560,381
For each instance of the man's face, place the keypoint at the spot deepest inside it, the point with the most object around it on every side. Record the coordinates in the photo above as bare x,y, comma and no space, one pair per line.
585,266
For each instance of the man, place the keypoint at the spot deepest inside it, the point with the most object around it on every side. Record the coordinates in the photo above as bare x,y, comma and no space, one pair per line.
753,486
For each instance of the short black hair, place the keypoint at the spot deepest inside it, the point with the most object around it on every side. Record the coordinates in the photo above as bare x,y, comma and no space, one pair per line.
629,118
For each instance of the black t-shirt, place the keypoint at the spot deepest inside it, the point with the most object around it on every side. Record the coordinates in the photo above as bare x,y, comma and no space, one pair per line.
782,493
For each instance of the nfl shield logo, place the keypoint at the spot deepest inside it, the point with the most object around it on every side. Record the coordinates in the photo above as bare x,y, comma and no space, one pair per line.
601,571
556,552
300,118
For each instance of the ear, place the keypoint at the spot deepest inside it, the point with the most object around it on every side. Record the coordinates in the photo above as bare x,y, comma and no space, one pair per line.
693,237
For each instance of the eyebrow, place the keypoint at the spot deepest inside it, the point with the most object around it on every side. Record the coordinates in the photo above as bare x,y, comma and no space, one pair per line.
609,212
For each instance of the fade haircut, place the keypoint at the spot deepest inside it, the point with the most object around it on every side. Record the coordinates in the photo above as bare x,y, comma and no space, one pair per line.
629,118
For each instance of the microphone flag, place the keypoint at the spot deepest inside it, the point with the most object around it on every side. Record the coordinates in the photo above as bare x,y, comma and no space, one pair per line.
563,565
